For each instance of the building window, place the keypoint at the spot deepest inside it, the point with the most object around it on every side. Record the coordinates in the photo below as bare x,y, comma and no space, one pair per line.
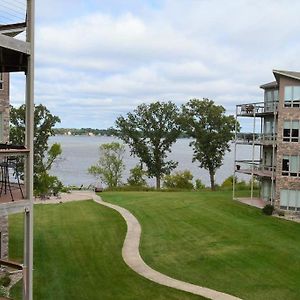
292,96
291,165
271,95
271,99
290,199
291,131
1,81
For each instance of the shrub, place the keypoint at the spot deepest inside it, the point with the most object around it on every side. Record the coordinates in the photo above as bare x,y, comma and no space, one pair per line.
5,280
255,183
46,184
242,185
268,209
3,292
228,182
179,180
280,212
199,185
136,177
129,188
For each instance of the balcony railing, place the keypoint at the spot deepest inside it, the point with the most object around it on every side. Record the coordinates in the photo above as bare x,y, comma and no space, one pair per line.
255,167
257,138
251,109
11,173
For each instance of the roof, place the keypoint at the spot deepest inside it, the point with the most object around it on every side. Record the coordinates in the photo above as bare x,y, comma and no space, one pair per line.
269,85
12,29
277,73
290,74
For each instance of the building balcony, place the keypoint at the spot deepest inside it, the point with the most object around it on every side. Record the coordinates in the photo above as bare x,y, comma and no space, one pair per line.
258,109
256,138
255,167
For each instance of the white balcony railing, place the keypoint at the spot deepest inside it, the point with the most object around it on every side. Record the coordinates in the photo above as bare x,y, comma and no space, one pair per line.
257,138
255,167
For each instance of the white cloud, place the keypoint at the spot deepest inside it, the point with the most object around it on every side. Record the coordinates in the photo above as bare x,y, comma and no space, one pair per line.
105,60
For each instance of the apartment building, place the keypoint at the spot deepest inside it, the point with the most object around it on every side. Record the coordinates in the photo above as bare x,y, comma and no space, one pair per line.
274,159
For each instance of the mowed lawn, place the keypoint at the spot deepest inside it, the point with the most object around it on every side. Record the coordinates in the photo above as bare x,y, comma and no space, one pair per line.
208,239
77,255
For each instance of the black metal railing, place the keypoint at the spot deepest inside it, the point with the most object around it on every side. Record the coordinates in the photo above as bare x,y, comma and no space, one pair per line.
257,108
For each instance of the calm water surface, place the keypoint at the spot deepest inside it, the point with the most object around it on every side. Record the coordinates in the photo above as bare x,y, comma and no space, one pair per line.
80,152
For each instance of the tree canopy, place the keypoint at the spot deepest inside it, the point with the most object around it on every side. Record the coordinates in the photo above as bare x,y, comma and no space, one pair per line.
150,130
211,130
44,157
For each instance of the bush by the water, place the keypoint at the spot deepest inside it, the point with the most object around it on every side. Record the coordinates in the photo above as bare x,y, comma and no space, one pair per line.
46,185
239,185
228,182
268,209
179,180
199,185
136,177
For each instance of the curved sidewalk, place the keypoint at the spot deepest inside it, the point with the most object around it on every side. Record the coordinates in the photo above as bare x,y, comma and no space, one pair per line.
133,259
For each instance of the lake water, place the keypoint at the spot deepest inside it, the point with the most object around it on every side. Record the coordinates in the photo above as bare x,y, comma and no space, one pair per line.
80,152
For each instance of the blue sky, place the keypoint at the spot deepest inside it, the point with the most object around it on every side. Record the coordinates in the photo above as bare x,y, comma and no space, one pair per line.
96,60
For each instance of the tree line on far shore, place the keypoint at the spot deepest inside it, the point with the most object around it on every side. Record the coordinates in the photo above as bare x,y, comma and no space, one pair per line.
83,131
150,131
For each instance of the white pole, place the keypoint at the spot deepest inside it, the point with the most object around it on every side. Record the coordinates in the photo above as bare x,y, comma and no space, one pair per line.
28,222
253,149
234,163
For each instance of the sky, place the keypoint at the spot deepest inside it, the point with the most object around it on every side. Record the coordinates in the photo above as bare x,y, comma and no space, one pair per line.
99,59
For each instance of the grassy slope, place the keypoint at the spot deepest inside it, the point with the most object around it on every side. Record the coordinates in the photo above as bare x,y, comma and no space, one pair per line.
208,239
78,256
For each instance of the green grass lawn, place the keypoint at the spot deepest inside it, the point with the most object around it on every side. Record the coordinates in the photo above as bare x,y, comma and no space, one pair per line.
77,255
207,239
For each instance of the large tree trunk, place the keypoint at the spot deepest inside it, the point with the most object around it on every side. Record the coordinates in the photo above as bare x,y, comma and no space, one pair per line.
157,182
212,179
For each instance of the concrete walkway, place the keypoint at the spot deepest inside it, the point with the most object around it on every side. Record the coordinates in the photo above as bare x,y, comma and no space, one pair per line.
77,195
133,259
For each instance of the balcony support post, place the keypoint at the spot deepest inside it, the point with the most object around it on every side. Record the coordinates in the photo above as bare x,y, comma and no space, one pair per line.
253,150
234,164
28,218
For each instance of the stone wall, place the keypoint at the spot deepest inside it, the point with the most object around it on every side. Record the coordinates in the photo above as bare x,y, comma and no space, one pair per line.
4,236
4,109
285,148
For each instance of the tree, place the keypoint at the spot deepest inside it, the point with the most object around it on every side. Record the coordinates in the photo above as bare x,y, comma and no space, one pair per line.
110,164
136,176
44,122
211,130
150,132
179,180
